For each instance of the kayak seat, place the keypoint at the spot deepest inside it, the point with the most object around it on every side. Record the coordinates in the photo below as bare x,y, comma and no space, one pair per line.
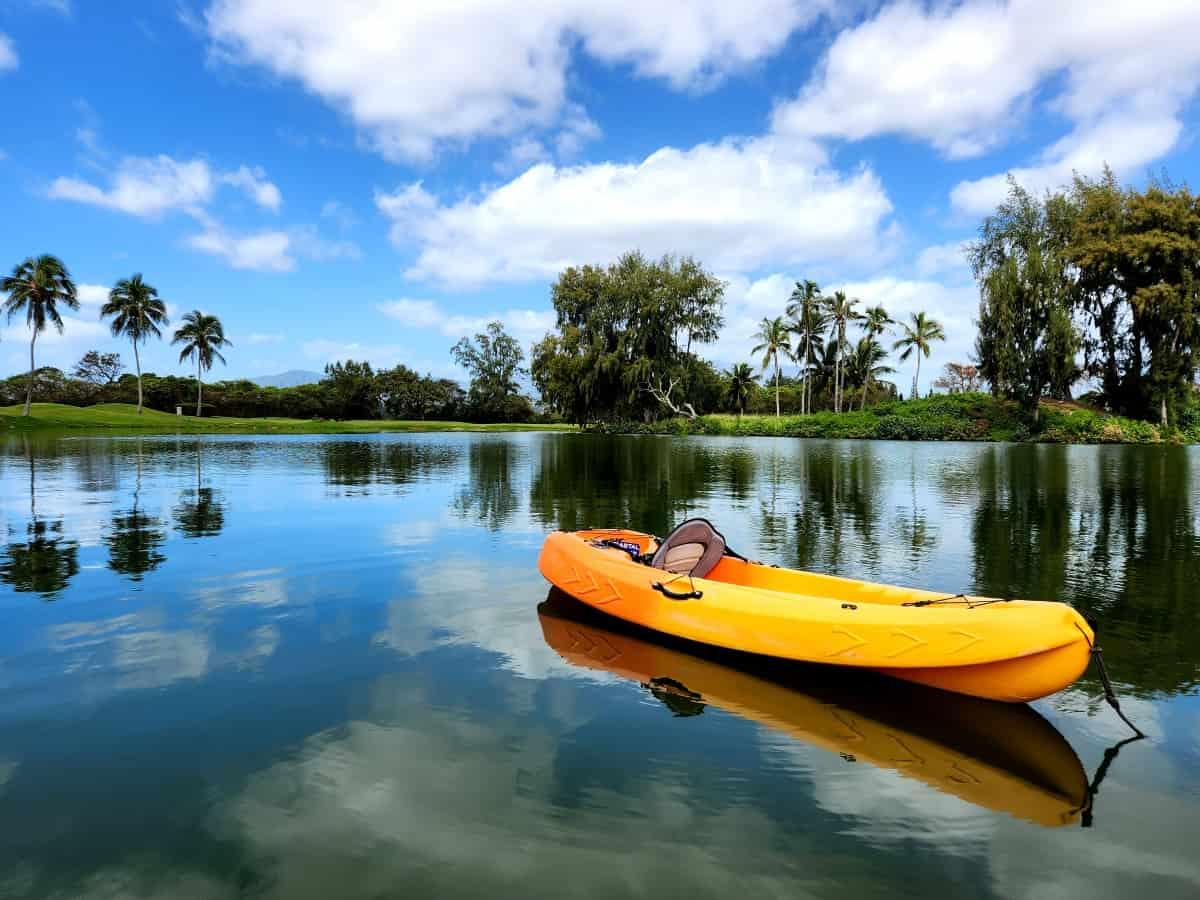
693,548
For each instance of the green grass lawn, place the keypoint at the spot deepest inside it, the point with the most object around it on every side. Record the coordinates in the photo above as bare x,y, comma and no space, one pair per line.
124,417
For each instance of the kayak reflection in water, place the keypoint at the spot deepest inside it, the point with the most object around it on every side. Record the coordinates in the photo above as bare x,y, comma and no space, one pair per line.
1000,756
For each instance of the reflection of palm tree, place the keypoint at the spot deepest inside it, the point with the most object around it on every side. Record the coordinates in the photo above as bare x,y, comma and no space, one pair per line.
200,512
45,561
135,537
133,543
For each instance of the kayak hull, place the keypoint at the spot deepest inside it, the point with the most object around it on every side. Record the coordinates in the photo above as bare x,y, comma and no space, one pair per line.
1014,651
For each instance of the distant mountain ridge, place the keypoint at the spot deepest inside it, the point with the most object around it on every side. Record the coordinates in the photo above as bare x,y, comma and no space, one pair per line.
290,378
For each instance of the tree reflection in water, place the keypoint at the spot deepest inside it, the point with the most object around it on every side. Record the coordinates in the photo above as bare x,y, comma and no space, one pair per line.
46,560
489,496
135,537
354,466
200,511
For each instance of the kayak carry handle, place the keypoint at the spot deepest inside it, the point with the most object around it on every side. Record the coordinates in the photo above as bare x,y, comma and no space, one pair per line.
676,595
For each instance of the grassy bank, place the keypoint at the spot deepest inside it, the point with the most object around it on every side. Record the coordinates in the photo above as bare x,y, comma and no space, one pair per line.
124,418
955,417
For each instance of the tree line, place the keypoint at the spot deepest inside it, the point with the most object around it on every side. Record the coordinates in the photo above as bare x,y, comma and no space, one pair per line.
1097,283
38,286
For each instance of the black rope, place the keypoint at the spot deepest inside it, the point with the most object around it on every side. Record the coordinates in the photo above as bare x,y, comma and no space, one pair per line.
961,599
1110,696
1102,770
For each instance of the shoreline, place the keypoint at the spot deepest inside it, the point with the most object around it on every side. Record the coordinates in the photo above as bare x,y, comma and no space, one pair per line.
977,418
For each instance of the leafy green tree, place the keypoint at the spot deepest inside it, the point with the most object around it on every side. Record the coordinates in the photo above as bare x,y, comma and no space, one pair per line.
916,338
352,387
202,337
841,312
773,339
1137,259
624,332
1026,339
98,368
494,360
741,381
138,312
37,286
806,307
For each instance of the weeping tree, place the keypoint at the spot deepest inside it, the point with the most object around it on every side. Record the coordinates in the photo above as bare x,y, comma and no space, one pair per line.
137,313
1026,342
37,286
202,337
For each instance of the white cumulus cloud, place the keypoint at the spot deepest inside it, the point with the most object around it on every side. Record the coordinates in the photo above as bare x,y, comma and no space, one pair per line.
152,185
417,74
964,76
91,294
144,186
524,324
737,205
255,183
264,251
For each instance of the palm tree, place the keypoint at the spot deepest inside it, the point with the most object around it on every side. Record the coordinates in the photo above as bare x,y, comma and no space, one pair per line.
38,286
804,307
918,335
841,311
865,365
202,337
138,312
875,321
772,337
741,382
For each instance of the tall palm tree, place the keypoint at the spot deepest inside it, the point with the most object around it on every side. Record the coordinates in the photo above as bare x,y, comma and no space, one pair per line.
38,286
138,313
805,308
875,321
918,336
741,382
772,337
866,365
841,312
202,337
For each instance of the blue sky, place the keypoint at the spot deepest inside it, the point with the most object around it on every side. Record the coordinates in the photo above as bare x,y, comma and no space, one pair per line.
375,179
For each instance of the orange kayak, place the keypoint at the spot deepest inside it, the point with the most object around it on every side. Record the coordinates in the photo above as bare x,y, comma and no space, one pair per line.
1011,650
998,756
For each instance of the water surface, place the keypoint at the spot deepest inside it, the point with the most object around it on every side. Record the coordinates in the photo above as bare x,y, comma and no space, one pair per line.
328,667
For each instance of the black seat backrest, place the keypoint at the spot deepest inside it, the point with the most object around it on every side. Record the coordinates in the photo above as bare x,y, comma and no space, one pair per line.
693,548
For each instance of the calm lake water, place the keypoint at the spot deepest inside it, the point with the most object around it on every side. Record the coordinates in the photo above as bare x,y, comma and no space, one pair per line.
327,667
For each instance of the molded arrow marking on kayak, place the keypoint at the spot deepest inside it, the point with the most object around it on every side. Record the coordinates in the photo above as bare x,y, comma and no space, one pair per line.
855,642
916,642
591,643
971,641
